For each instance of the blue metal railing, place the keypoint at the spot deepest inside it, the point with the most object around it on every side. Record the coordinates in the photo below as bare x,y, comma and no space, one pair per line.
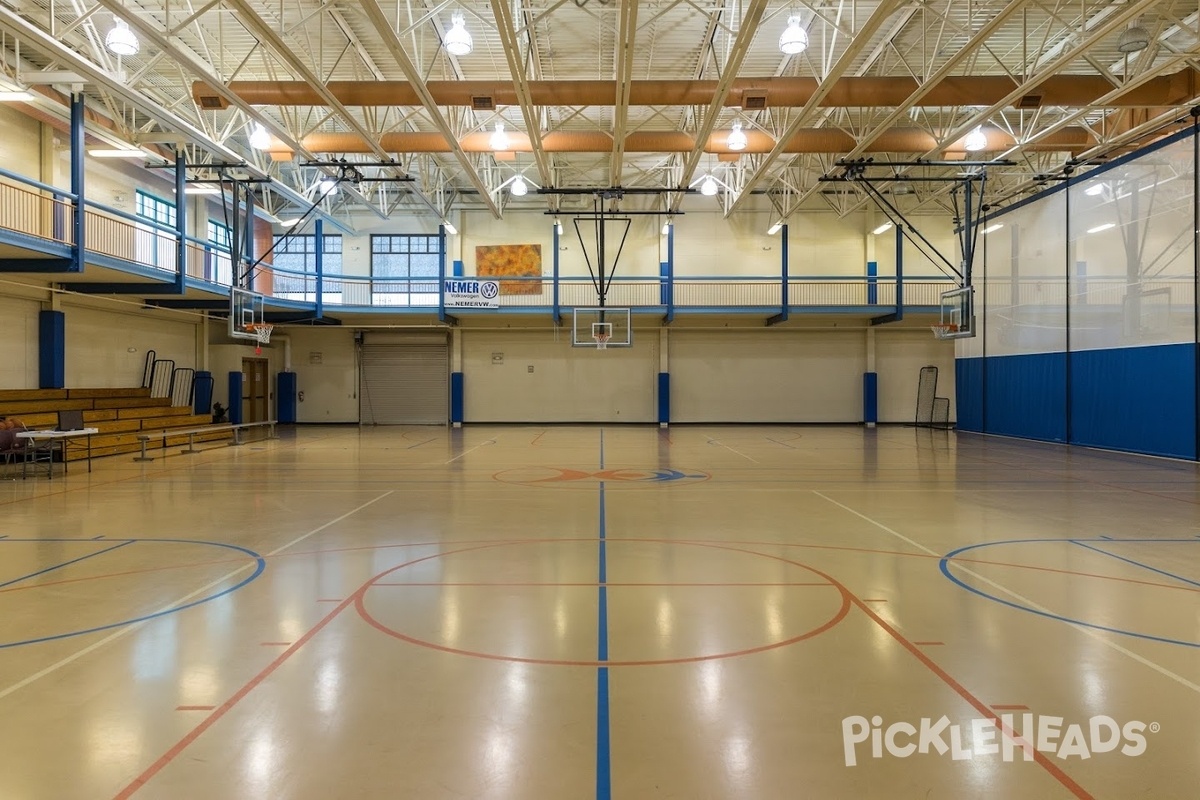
128,237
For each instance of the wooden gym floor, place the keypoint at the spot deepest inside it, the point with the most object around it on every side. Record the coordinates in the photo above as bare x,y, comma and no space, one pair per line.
586,612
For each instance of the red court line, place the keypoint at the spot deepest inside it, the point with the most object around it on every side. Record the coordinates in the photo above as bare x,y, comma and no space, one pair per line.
194,708
1039,757
844,608
361,548
223,709
595,584
874,600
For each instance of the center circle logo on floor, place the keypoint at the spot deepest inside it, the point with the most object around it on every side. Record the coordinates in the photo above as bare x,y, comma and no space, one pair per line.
553,475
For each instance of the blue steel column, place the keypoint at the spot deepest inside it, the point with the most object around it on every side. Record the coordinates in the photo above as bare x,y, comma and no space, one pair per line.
671,273
77,172
555,311
441,273
319,263
783,232
899,271
248,241
180,222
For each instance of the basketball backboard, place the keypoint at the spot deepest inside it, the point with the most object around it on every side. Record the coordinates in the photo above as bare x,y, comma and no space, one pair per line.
957,320
601,328
245,313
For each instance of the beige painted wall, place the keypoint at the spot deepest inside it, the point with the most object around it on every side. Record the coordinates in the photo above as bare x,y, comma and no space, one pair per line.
325,363
19,342
899,356
767,376
566,384
108,348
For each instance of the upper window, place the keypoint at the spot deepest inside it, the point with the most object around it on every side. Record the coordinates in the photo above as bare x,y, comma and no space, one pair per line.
295,256
153,208
405,256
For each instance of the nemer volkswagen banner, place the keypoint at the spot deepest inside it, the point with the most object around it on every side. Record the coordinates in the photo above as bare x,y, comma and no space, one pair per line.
465,293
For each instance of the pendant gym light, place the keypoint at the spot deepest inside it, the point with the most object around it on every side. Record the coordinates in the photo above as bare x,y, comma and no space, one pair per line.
975,141
708,186
259,138
737,138
518,188
794,39
328,187
1133,39
458,40
499,140
121,41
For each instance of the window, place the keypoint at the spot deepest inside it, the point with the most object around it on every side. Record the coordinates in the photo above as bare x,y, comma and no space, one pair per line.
219,267
294,263
405,262
152,208
155,246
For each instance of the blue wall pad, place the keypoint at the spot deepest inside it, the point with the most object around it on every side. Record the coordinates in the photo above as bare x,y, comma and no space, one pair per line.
456,397
235,398
203,398
664,397
285,397
1136,398
52,350
456,269
968,390
871,395
1026,396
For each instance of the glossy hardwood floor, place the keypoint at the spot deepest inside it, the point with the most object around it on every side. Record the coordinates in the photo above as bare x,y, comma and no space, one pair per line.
619,612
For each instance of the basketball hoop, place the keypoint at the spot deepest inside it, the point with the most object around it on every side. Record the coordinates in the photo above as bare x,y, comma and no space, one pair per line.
262,331
601,333
944,330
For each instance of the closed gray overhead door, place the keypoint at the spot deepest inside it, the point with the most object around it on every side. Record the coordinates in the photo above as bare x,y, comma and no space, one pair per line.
404,384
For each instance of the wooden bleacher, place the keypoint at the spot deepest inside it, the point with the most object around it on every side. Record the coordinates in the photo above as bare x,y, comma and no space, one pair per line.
119,414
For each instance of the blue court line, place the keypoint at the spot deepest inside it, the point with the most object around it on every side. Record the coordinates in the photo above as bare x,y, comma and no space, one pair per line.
1188,581
66,563
944,566
603,739
261,565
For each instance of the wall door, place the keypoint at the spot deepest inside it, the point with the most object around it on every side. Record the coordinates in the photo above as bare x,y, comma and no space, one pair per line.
256,394
404,382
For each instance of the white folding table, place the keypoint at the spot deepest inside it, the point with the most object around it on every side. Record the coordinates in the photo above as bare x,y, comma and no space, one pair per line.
34,439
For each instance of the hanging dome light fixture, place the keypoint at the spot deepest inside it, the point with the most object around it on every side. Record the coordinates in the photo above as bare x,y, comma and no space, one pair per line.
327,187
794,39
121,41
518,188
499,140
259,138
1133,39
458,39
708,186
737,138
975,141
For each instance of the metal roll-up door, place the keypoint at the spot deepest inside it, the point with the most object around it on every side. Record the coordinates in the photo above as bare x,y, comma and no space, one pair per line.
404,383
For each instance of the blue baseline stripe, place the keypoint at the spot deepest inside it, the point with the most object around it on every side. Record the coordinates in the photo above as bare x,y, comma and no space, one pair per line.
1137,563
65,564
260,562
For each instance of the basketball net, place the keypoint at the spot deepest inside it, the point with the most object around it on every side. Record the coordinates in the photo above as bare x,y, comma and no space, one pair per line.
601,340
262,330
